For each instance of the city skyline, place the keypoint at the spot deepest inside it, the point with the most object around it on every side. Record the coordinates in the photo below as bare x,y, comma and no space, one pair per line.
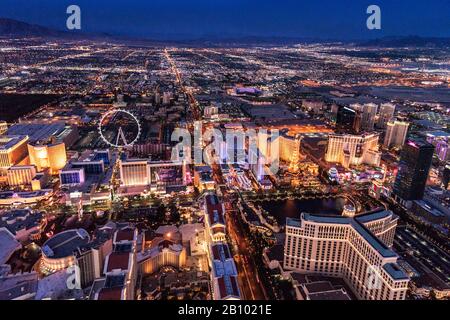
221,177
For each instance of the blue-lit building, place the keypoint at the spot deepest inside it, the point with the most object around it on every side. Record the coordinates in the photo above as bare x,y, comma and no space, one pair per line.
86,178
72,176
90,167
102,155
93,162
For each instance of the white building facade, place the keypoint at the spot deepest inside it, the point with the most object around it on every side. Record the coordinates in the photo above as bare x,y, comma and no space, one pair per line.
355,249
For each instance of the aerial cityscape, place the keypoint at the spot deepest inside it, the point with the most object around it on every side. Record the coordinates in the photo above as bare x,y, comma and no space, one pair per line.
223,170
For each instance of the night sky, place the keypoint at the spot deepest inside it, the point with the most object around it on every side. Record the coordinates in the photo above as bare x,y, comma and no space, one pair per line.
190,19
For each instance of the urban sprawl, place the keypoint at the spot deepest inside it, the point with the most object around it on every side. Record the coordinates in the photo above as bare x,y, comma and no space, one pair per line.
101,198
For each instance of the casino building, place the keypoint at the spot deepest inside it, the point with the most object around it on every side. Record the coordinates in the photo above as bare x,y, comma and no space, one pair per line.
134,172
224,273
20,176
120,268
396,132
223,268
163,252
139,176
70,176
13,149
76,247
413,169
24,224
355,249
214,218
48,155
58,252
353,150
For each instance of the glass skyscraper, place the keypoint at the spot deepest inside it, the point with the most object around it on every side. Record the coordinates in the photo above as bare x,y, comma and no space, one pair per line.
345,117
414,166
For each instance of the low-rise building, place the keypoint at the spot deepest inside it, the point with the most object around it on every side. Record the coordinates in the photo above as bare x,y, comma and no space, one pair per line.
8,245
214,218
163,252
22,223
224,273
20,176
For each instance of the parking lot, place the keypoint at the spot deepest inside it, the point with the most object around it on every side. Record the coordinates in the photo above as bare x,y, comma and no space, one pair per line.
412,246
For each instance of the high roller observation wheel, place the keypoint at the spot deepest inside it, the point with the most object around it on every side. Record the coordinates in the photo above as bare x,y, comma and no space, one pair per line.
108,113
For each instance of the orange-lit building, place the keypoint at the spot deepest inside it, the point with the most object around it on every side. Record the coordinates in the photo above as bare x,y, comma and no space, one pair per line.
52,156
13,149
20,176
163,252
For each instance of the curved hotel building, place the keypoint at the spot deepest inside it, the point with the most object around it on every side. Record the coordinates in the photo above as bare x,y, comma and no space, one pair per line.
52,156
58,251
355,249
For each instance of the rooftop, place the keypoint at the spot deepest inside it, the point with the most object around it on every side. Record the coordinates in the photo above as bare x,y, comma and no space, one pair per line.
438,134
117,261
318,286
429,207
24,194
8,245
9,141
167,229
356,223
159,245
220,252
110,293
214,209
228,287
395,272
419,143
65,243
371,216
37,131
19,219
124,235
116,280
223,263
336,294
18,285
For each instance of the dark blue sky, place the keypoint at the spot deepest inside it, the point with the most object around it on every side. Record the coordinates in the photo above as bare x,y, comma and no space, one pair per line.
326,19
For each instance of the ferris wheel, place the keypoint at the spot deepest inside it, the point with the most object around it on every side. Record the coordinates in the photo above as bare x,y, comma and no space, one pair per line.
119,128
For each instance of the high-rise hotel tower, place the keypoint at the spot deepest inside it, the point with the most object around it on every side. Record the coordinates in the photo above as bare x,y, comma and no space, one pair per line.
355,249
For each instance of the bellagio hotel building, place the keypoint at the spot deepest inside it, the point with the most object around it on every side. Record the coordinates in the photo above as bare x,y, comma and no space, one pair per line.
356,249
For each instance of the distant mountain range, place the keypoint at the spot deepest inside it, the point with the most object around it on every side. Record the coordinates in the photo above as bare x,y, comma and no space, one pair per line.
20,29
15,28
10,27
409,41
